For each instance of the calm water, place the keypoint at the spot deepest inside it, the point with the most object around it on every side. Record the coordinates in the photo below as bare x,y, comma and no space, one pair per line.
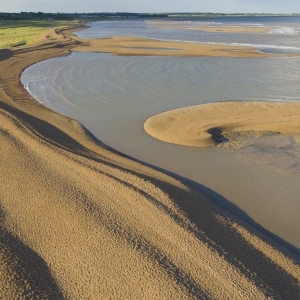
282,35
113,96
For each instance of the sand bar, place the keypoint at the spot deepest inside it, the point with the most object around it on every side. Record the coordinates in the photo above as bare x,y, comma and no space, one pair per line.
218,29
205,26
202,125
133,46
79,221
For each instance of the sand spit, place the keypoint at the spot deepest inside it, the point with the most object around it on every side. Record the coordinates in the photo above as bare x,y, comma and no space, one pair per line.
80,221
204,125
133,46
205,26
218,29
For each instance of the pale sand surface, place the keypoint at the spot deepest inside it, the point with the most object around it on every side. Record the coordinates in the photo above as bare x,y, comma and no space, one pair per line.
80,221
202,125
124,45
218,29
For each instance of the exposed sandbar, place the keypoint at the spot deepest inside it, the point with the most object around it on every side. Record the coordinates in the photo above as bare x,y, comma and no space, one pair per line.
218,29
80,221
203,26
134,46
202,125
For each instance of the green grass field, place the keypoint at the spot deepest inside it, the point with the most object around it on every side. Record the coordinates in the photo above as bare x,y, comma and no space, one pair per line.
17,33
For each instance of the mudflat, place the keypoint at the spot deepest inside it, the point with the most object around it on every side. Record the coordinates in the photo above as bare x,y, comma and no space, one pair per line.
80,221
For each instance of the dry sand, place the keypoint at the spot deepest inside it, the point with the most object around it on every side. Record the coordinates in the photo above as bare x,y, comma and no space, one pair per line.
128,46
80,221
202,125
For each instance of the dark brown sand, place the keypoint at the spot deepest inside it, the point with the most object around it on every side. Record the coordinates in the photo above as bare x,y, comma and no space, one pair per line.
80,221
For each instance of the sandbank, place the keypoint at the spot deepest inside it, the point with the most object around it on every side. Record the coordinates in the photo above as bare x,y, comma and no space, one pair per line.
205,26
203,125
134,46
80,221
218,29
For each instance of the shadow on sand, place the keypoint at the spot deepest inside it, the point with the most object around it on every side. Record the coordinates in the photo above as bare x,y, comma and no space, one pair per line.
218,236
24,268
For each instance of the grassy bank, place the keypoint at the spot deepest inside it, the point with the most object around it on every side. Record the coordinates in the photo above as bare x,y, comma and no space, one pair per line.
17,33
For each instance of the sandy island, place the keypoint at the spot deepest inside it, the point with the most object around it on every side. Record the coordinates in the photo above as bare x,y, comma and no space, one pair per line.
205,125
80,221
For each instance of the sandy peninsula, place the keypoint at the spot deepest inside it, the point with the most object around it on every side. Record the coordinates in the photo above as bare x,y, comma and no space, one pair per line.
80,221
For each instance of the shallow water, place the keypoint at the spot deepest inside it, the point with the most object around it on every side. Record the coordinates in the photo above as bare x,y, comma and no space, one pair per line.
280,153
282,34
113,96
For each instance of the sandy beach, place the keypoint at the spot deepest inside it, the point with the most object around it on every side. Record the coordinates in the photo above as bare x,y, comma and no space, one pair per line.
80,221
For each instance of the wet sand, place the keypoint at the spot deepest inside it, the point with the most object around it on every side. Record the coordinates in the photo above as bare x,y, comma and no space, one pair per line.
81,221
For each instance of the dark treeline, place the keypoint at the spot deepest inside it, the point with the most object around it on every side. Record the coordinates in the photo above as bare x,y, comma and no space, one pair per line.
72,16
76,16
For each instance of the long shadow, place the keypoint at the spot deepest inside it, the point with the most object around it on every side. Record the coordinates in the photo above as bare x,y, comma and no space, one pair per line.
230,244
231,207
5,54
45,130
224,239
139,243
219,236
26,269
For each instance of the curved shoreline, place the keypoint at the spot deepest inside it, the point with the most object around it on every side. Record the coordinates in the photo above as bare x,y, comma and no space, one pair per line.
92,222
